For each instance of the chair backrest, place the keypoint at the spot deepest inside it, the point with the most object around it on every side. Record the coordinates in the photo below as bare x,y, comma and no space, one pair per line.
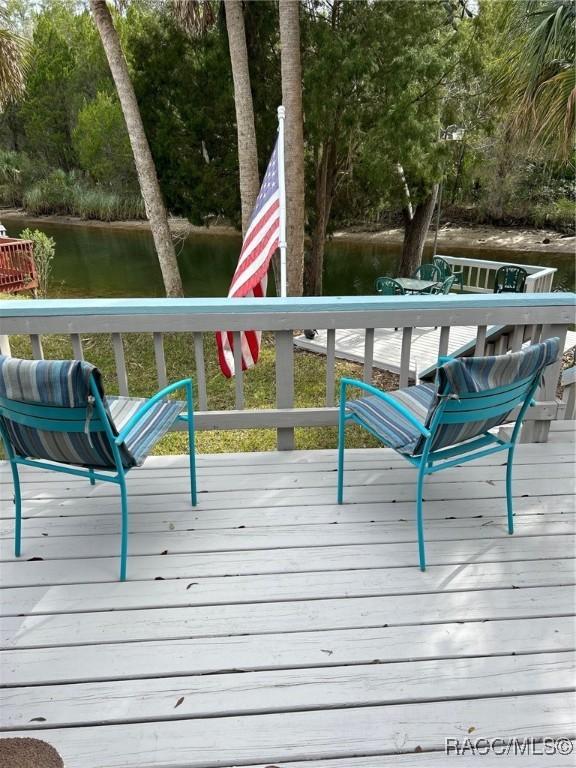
55,410
443,266
427,272
387,286
510,279
447,285
475,394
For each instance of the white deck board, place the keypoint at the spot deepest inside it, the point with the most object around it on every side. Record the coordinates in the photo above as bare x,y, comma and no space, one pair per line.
388,345
208,743
281,629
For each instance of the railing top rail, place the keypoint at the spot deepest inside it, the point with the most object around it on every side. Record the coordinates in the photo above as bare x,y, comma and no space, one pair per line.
532,269
273,306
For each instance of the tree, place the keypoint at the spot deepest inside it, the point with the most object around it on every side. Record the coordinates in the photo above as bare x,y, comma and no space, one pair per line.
294,142
101,142
539,77
375,75
154,204
13,64
247,147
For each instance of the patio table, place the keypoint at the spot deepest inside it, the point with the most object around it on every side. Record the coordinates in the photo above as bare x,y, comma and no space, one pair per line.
412,285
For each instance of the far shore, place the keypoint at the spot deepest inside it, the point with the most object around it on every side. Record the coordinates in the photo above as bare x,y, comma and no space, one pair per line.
513,239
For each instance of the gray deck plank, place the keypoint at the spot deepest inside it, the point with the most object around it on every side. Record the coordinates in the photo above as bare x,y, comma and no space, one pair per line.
291,628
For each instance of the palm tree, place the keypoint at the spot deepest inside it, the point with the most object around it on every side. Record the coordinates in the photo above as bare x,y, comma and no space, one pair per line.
13,65
145,168
294,141
247,147
540,75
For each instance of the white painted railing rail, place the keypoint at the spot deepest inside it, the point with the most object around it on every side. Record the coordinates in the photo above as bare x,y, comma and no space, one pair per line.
526,318
479,274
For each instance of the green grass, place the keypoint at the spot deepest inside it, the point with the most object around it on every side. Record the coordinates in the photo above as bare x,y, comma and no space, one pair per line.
259,386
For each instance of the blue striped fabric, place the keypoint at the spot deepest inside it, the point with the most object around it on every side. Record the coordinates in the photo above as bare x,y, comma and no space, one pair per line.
66,384
460,376
383,419
153,425
479,375
465,375
55,383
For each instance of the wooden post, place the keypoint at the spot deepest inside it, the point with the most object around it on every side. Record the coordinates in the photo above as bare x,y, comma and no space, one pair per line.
285,385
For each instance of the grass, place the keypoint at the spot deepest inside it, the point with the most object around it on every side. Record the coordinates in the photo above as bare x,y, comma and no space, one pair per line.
259,386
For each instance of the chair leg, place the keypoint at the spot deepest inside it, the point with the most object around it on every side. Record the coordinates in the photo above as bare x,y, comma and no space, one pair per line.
92,478
192,460
419,520
124,534
341,442
18,510
509,490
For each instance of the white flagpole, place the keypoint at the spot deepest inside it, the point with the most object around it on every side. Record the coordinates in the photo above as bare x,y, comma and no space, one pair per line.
282,185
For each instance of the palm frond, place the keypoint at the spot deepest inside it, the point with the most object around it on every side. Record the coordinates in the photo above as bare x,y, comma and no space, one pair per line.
13,65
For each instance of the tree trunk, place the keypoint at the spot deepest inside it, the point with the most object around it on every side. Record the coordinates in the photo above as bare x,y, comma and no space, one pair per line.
325,184
153,202
294,141
247,147
415,231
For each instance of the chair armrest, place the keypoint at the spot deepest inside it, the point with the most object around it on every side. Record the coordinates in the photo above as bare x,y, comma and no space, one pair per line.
182,384
383,396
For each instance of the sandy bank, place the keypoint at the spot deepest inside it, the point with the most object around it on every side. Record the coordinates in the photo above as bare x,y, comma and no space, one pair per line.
449,236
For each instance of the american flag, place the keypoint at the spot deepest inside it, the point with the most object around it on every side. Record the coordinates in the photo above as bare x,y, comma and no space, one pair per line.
250,279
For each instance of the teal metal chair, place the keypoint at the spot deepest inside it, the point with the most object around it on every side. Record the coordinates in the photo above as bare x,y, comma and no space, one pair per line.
56,410
387,286
427,272
447,270
445,424
510,279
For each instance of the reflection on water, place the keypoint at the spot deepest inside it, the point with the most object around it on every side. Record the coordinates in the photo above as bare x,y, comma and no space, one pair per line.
100,261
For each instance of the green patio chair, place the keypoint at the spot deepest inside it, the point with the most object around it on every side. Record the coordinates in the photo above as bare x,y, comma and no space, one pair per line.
427,272
447,423
447,270
510,279
443,288
56,410
387,286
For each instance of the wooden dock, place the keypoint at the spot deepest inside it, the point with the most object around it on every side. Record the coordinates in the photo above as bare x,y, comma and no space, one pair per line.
350,345
271,627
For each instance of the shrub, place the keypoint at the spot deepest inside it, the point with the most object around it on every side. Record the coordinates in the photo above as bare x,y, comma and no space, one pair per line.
43,252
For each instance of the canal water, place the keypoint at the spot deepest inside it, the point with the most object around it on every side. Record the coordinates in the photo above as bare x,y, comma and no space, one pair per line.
104,261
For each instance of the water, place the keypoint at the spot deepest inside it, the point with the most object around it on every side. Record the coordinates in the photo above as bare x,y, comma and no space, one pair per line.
95,262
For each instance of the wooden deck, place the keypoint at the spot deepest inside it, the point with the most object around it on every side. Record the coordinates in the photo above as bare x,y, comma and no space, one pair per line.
350,345
270,627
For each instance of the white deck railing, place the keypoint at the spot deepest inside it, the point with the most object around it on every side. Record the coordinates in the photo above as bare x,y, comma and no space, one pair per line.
525,317
479,274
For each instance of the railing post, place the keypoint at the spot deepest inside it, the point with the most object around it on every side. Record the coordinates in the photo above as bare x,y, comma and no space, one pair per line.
284,385
536,431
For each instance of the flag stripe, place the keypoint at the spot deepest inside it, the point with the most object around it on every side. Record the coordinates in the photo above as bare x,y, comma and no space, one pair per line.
250,278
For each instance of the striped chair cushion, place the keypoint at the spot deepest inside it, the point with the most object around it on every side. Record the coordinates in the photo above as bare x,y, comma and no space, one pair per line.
63,383
153,425
469,375
55,383
389,425
465,375
459,376
66,384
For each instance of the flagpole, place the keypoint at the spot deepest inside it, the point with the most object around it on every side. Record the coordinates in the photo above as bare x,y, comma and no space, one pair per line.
282,185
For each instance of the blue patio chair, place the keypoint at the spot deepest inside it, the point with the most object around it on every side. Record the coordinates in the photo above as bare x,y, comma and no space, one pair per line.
56,410
441,425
